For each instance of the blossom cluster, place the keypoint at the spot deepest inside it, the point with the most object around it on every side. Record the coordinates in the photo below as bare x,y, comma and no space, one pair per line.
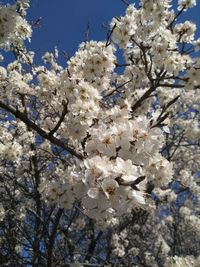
116,122
119,139
96,147
14,28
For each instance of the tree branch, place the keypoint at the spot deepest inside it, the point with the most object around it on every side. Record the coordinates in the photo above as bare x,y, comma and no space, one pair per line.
20,115
52,238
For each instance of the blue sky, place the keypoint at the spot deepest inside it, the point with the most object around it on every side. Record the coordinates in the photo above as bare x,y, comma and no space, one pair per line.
64,22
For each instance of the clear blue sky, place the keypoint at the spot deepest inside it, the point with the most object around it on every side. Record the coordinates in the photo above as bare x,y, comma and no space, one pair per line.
64,22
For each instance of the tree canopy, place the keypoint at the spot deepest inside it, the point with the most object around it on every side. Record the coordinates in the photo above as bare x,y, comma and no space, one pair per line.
99,158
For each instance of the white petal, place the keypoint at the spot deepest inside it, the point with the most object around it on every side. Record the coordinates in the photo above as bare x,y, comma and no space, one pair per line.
136,195
93,193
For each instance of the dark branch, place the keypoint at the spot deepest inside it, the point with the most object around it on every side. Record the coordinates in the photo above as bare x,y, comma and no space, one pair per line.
22,116
65,110
141,100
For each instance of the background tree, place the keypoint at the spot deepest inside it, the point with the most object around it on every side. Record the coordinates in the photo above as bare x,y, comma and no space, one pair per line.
100,159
